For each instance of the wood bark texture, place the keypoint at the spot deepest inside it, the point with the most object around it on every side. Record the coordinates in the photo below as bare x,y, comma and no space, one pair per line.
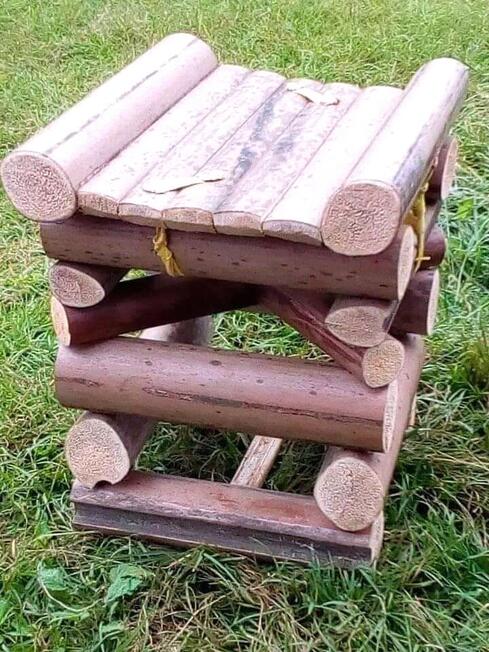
366,322
297,216
148,301
257,95
284,397
256,193
267,261
257,522
306,312
105,190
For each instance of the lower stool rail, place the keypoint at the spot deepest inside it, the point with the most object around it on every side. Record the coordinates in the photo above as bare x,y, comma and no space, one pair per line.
258,522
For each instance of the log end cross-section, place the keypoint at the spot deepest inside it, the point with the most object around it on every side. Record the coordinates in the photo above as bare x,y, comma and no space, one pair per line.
38,187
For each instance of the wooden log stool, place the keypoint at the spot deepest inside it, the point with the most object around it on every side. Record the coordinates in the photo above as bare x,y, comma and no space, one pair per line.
237,189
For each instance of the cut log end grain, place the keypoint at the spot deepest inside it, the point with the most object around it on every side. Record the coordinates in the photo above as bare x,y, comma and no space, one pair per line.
82,286
38,187
188,219
60,322
293,231
361,219
351,485
349,493
74,288
357,321
382,363
407,257
103,447
237,223
96,452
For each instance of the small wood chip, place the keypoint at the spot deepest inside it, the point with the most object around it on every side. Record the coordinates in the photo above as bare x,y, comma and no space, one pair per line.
170,184
312,95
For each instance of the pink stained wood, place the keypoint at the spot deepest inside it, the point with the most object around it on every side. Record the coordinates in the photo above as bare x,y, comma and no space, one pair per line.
146,302
42,175
297,216
443,176
283,397
376,366
143,207
417,311
255,194
268,261
241,153
362,216
257,522
104,447
103,192
435,248
351,486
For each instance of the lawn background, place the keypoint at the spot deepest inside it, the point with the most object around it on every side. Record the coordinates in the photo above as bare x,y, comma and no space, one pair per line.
60,590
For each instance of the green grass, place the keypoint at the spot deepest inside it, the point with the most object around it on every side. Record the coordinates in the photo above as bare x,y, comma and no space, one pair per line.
62,590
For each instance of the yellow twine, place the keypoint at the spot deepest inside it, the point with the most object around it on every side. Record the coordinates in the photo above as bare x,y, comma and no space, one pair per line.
161,248
417,219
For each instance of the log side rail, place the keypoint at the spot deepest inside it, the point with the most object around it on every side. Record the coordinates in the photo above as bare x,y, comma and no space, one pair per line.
265,261
158,300
363,216
245,520
284,397
42,175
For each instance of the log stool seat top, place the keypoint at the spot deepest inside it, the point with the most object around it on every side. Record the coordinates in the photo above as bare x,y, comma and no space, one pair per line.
177,140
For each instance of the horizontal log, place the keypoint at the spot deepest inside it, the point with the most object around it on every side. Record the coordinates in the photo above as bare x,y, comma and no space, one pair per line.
81,286
41,176
306,312
351,485
443,175
104,447
267,261
366,322
285,397
145,302
257,461
364,215
257,522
